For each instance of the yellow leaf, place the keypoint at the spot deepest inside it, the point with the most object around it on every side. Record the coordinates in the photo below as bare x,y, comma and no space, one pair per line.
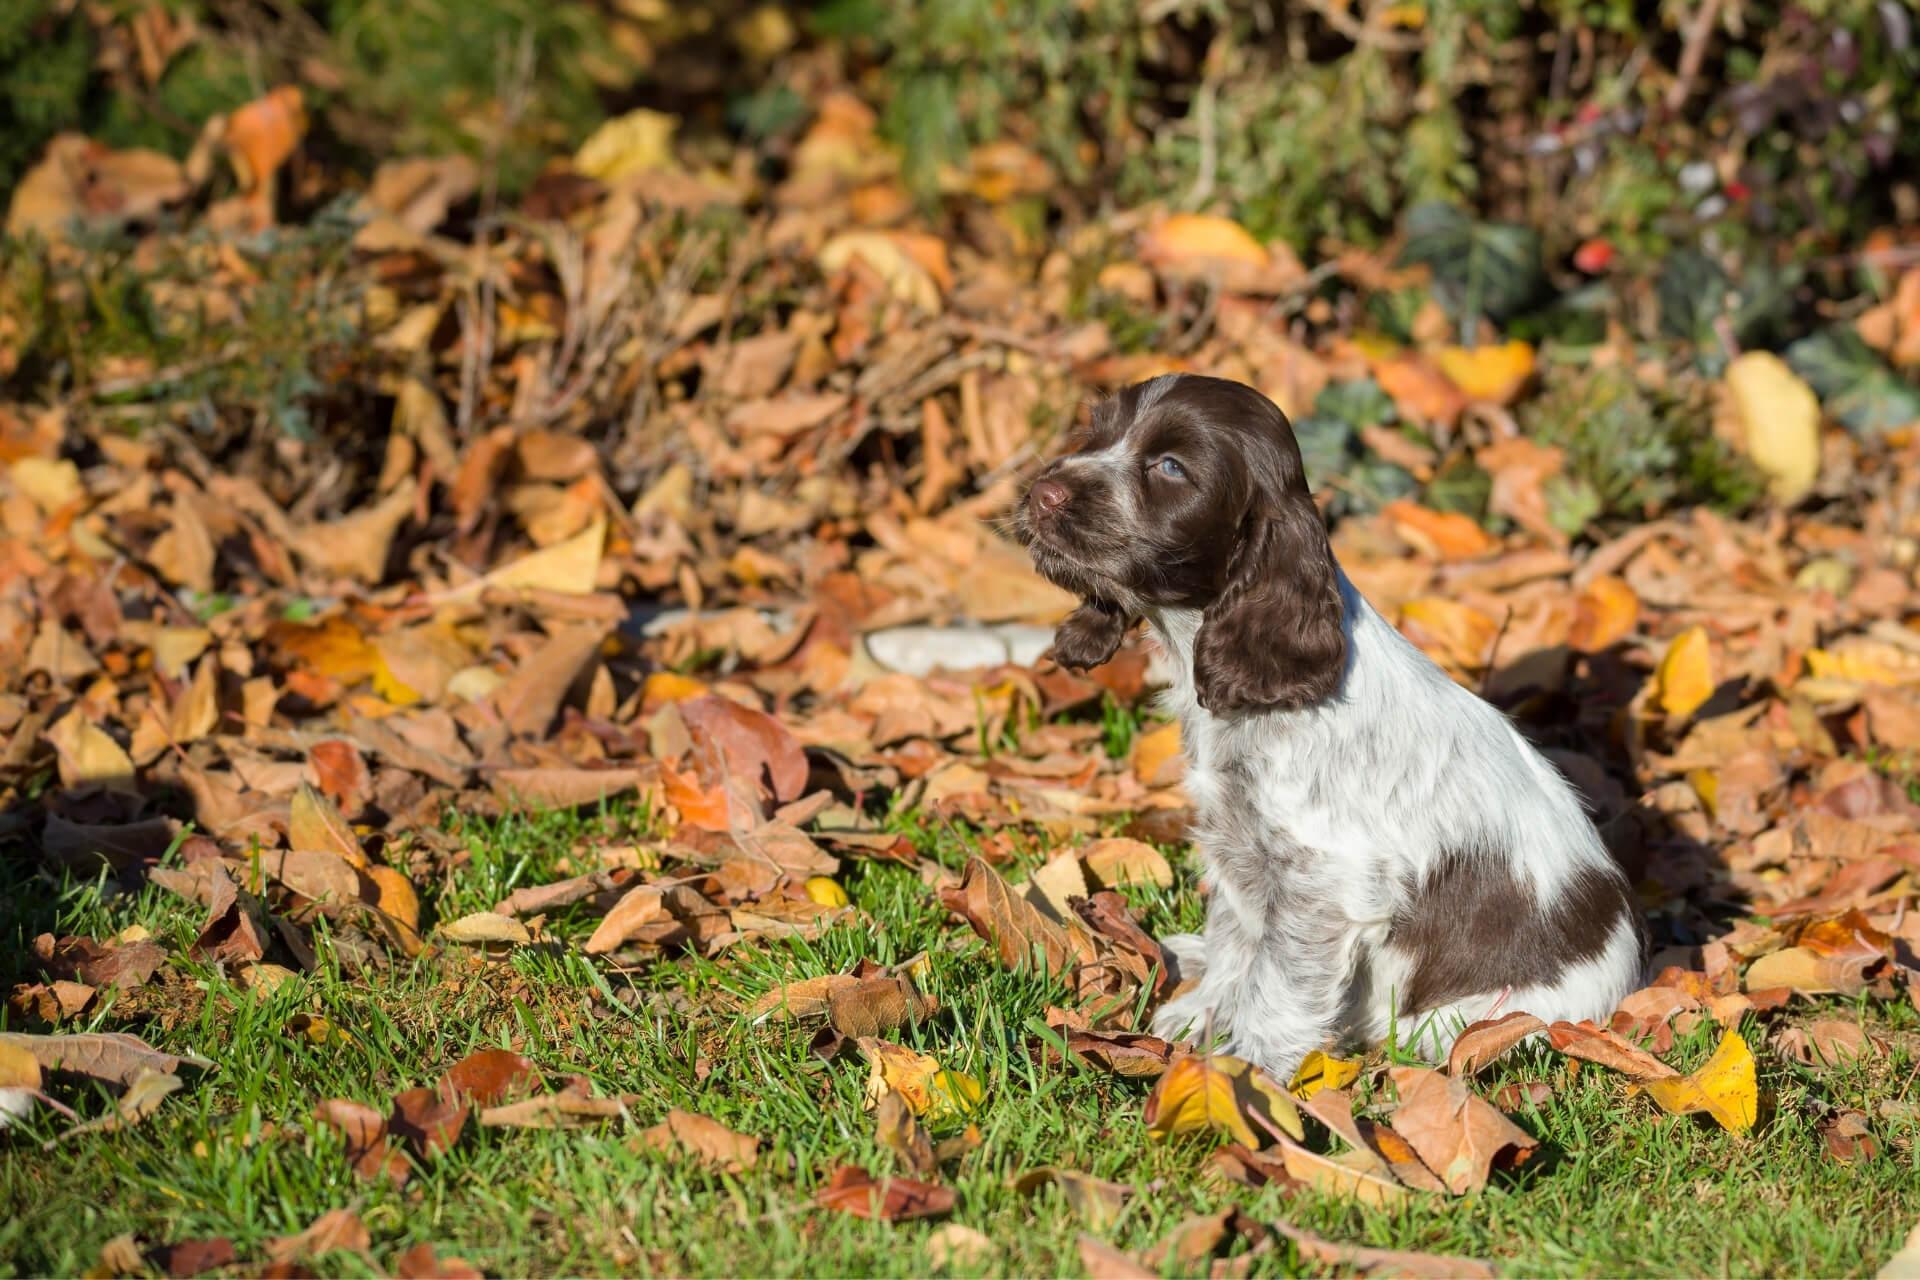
1220,1094
1684,679
1863,665
953,1093
397,896
636,142
1781,420
1318,1071
1724,1087
905,1071
318,1031
1189,237
826,891
49,484
1488,373
1156,755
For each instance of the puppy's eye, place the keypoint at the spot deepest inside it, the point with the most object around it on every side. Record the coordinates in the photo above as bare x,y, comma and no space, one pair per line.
1170,468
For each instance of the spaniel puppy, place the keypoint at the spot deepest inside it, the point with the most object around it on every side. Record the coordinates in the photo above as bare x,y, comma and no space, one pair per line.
1386,854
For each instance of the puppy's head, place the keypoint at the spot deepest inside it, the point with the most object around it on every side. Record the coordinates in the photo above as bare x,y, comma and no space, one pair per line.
1188,492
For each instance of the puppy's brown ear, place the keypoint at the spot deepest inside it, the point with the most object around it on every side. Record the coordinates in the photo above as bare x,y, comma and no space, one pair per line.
1272,640
1090,635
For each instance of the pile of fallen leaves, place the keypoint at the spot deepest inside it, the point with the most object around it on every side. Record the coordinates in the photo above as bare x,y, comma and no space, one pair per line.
714,533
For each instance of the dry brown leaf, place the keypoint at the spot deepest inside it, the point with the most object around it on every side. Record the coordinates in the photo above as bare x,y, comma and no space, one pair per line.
1597,1044
706,1140
1456,1133
482,927
336,1229
1095,1201
637,907
852,1190
110,1056
489,1076
1117,861
1367,1261
1480,1044
1021,936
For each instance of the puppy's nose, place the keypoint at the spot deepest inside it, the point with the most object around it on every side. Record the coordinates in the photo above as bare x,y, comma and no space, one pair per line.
1049,496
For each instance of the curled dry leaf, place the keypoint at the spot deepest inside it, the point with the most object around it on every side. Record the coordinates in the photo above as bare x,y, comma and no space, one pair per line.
1323,1173
922,1083
1724,1087
1483,1042
1095,1201
1848,1137
315,823
852,1190
1220,1094
899,1131
639,906
1456,1133
483,927
755,747
565,1109
142,1098
1597,1044
1841,956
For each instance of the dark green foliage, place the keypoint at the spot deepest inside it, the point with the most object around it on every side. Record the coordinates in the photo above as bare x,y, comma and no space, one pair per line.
1479,268
1336,459
44,66
1854,384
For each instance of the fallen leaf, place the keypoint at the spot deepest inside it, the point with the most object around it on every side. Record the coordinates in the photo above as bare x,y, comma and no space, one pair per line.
336,1229
112,1056
1780,421
1483,1042
1021,935
1840,956
562,1110
890,259
636,908
428,1119
1126,1053
1605,613
1367,1261
1117,861
754,745
314,822
897,1129
1445,535
708,1141
1491,373
1326,1174
1683,681
1724,1087
489,1076
638,142
1156,755
1318,1071
486,927
1848,1138
1456,1133
1095,1201
422,1263
1102,1261
186,1258
922,1083
1597,1044
1220,1094
88,755
852,1190
953,1246
363,1131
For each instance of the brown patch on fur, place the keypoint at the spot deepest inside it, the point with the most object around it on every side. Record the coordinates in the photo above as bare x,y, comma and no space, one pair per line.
1473,929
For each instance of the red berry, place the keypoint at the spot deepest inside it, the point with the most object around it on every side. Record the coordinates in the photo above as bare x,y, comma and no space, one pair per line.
1593,256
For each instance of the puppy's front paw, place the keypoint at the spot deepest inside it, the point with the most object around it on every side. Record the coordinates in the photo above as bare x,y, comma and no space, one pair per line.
1090,636
1186,1018
1186,955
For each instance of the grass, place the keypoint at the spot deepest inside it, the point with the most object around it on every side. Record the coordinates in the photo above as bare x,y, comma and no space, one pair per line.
1617,1188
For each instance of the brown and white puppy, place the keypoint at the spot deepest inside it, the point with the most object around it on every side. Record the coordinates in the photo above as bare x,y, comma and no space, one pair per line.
1386,855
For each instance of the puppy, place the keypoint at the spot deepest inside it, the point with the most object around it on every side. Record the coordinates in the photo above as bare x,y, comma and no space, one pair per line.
1386,855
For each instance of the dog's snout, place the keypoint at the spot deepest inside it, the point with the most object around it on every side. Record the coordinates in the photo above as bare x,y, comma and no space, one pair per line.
1049,496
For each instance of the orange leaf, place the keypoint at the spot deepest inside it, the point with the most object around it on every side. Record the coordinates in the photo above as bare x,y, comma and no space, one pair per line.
1446,535
1605,614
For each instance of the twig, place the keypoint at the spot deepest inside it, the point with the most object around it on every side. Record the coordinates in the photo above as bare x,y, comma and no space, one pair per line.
1365,34
1693,53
